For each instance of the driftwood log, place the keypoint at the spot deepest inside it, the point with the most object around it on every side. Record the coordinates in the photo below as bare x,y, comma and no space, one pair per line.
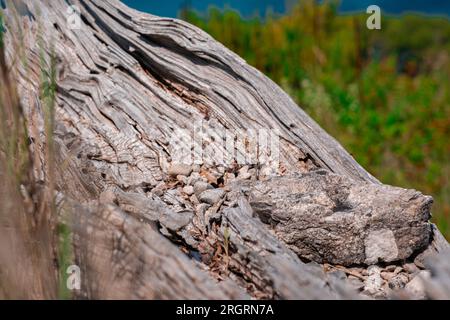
309,223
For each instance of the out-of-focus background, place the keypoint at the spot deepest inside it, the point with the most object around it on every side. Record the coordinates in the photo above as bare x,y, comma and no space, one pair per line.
384,94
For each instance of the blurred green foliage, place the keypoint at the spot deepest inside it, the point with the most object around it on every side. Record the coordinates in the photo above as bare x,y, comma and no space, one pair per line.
384,94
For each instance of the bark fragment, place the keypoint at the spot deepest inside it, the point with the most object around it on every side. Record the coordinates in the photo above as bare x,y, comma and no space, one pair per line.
328,218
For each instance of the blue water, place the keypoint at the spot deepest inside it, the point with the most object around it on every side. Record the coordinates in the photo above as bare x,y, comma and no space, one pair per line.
170,8
430,7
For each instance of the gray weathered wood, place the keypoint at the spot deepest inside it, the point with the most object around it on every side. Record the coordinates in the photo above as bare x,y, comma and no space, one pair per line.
327,218
127,82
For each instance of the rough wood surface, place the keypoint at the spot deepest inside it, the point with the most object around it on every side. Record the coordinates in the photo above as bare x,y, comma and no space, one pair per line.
127,83
142,264
327,218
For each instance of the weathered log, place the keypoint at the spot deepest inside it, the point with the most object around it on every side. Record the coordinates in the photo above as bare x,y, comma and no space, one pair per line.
127,84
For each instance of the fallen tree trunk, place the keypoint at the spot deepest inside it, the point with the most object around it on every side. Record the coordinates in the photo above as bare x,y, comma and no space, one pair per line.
298,221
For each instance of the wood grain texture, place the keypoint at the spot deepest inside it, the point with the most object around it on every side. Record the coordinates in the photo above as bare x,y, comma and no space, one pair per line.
123,258
144,227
